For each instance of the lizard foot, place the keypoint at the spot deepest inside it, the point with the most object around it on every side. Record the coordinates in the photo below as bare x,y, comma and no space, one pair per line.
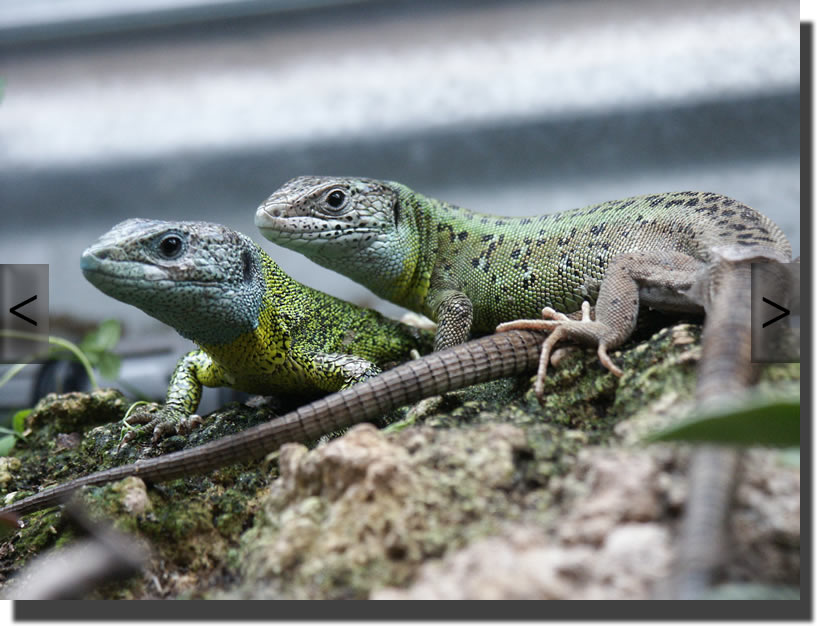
561,327
160,421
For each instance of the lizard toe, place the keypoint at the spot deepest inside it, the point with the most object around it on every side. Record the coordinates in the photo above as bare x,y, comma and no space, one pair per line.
607,362
552,314
159,422
142,414
544,358
166,428
522,325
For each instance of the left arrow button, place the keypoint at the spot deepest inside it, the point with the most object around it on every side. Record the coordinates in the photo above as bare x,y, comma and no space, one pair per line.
24,323
13,310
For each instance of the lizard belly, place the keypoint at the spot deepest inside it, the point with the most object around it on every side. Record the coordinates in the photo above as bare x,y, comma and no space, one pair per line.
265,379
524,294
666,299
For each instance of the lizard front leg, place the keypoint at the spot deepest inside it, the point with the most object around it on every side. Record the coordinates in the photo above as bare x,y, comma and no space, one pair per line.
453,312
177,415
661,279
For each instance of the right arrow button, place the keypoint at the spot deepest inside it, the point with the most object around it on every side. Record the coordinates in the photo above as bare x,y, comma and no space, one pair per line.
785,312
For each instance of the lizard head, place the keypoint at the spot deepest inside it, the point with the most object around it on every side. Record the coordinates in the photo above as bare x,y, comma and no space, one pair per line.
310,211
357,226
200,278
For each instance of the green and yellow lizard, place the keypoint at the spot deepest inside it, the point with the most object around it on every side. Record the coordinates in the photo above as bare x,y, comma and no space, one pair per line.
258,330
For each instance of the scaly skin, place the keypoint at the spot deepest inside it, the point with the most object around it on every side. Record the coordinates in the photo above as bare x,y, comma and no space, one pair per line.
259,330
686,251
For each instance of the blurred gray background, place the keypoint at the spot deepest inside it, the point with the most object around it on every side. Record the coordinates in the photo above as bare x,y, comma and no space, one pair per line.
189,109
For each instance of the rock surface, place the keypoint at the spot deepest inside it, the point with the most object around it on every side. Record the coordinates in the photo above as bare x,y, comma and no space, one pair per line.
489,495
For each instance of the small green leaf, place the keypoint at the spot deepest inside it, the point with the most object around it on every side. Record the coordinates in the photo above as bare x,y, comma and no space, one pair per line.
7,444
109,364
88,344
109,333
758,420
103,338
790,457
18,421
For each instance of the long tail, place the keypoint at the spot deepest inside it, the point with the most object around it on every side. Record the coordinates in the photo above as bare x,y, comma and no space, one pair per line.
725,370
481,360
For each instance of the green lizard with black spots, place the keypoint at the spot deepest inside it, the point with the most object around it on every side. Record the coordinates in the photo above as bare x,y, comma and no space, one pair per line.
258,330
471,272
677,252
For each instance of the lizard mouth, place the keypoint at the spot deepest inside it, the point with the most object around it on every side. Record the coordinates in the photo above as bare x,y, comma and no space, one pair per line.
274,223
100,271
103,261
304,228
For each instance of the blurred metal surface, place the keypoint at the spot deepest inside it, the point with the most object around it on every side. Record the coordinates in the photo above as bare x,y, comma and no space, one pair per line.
282,82
44,20
508,107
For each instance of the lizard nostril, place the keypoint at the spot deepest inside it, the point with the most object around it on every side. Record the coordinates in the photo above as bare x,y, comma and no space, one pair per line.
273,210
96,252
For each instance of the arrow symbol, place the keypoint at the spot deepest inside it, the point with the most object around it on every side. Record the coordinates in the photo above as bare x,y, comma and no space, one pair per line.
779,308
13,310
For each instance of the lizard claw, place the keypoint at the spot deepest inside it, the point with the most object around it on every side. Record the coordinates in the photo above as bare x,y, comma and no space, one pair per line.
562,327
161,422
173,425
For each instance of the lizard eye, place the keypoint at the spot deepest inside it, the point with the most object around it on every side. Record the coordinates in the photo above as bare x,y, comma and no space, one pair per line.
170,246
336,199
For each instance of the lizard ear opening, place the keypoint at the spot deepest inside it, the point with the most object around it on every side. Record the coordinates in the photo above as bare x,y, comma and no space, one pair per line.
396,210
246,259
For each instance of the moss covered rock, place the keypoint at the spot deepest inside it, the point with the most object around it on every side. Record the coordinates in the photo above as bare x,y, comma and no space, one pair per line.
418,512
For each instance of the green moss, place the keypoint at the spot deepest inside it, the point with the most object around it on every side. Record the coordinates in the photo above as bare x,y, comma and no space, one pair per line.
72,412
190,522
